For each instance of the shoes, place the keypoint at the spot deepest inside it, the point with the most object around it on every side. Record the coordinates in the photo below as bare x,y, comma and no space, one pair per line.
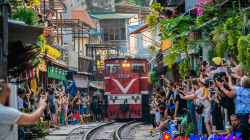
52,127
211,136
152,128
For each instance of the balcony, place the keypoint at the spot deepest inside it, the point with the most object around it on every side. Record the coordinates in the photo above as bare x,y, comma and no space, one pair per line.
85,65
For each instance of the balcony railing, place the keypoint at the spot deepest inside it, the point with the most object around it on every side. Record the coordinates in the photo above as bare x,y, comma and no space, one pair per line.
85,64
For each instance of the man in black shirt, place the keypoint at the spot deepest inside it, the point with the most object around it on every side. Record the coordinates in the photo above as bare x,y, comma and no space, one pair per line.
180,104
238,128
76,103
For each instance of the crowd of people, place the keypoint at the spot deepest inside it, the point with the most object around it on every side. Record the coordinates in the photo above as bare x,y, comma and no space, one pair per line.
217,99
48,104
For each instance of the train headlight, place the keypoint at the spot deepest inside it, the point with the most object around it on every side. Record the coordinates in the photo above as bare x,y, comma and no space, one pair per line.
127,65
124,65
116,97
133,97
111,97
137,97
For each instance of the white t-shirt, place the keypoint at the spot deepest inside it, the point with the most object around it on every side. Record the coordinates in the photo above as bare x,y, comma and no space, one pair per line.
8,118
19,103
204,103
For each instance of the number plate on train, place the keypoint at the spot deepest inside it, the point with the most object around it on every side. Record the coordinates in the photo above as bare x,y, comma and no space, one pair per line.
124,76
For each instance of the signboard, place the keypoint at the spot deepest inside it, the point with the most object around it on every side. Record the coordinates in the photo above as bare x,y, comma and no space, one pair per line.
42,66
124,76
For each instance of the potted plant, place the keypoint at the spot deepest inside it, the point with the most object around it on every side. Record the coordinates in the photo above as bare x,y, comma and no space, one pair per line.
38,128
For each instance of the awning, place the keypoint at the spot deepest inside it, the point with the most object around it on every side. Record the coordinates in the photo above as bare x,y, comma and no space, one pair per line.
137,28
94,32
109,15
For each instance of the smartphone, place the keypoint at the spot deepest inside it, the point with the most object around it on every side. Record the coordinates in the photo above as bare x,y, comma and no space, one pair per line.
180,88
190,86
200,58
229,70
229,55
210,83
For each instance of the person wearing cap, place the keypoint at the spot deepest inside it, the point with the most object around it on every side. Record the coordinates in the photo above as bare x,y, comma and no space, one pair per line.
218,64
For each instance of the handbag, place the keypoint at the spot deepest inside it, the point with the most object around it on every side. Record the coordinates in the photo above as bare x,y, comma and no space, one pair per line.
199,109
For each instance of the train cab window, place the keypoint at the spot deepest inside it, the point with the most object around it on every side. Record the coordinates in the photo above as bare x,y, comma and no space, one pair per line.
138,68
113,68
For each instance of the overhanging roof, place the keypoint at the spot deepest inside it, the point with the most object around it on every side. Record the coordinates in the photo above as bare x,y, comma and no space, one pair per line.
137,28
94,32
109,15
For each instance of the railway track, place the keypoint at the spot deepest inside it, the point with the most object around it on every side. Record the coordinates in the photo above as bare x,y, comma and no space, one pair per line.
111,131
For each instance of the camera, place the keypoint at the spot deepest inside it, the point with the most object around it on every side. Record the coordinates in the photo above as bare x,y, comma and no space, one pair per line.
204,64
219,78
211,91
187,77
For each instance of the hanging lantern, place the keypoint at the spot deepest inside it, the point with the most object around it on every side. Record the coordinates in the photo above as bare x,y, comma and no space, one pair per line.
52,69
65,72
60,71
56,69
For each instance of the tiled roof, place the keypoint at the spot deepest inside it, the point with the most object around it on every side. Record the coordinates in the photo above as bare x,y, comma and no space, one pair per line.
125,2
83,16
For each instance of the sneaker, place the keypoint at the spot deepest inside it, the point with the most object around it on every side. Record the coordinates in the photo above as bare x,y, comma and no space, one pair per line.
152,128
211,136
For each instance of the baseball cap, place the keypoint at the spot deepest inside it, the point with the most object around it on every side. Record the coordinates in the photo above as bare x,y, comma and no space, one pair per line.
207,81
217,60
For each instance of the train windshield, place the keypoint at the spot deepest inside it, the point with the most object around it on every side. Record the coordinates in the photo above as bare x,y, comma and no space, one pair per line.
113,68
138,68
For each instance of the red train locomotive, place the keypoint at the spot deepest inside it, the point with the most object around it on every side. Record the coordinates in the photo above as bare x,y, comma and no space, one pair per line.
126,87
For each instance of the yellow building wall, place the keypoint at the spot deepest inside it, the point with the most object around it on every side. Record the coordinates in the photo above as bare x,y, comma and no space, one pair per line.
165,44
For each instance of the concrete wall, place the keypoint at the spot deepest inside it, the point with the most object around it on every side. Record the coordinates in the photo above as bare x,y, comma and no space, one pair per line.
68,34
189,4
94,5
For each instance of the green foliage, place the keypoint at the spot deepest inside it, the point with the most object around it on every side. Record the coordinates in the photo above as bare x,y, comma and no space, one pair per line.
176,27
38,127
196,45
152,48
232,28
211,54
244,52
152,21
217,33
189,130
176,50
184,67
207,14
221,48
36,2
157,7
132,1
41,42
27,15
152,78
